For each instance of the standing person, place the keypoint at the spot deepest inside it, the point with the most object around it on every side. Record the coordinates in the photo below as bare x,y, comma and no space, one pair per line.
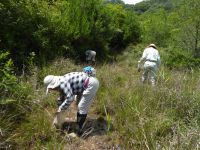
151,59
84,84
90,57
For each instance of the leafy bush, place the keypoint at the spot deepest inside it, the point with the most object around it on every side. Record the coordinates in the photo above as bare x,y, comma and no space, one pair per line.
14,100
61,28
177,58
8,81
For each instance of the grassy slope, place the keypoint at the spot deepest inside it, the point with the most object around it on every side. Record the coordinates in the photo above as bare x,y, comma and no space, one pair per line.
139,117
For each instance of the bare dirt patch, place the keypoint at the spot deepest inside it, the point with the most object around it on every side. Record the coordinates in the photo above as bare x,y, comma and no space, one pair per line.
95,132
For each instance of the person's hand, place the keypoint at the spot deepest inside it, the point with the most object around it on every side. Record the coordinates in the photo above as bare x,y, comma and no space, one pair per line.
58,111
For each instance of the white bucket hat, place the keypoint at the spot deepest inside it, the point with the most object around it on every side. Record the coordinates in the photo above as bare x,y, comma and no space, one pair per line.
51,82
153,45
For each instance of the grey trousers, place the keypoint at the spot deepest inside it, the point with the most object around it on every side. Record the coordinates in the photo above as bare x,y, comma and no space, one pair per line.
85,100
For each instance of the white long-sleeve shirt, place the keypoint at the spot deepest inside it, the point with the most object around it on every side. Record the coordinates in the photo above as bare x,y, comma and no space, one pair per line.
90,55
150,54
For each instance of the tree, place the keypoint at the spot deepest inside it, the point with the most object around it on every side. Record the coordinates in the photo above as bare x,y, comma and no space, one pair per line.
131,28
189,15
156,27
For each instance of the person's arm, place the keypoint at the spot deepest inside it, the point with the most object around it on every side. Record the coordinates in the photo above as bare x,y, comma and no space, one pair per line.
158,61
65,104
144,55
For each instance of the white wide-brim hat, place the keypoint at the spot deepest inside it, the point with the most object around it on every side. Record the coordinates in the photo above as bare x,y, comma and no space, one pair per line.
51,82
153,45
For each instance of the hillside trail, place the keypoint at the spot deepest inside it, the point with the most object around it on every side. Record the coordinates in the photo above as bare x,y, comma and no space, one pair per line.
95,132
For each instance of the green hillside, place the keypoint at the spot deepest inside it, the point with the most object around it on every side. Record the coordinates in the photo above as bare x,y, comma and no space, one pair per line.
43,37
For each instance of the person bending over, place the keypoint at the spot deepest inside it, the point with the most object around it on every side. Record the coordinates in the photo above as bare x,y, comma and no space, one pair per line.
84,84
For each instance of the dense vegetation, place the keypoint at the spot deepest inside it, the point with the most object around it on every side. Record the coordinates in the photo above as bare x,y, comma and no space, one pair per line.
39,33
64,28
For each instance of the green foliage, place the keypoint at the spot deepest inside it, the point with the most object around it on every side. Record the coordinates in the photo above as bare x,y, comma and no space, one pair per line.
138,115
38,131
63,28
189,27
115,1
176,30
146,117
14,98
11,89
156,28
153,5
142,7
177,58
7,79
35,32
131,29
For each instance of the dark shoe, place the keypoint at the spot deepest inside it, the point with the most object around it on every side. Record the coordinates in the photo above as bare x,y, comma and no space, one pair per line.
80,121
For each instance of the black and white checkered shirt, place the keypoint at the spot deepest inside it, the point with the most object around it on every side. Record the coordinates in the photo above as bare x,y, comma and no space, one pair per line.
71,84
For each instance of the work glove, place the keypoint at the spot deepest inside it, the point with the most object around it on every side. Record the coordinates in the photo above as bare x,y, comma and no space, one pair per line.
58,120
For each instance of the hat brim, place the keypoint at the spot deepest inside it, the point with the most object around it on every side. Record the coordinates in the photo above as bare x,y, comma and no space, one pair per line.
54,84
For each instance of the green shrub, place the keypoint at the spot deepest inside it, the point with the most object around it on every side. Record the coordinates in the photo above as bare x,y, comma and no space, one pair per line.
14,100
8,81
177,58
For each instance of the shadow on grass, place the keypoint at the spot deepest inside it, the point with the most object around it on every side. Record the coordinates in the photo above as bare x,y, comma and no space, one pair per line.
92,127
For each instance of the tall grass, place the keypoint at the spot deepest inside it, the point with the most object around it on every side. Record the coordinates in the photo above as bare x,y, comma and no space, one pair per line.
163,117
37,132
139,116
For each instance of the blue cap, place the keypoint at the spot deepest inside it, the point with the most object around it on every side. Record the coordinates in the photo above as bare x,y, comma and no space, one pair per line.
87,69
90,71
